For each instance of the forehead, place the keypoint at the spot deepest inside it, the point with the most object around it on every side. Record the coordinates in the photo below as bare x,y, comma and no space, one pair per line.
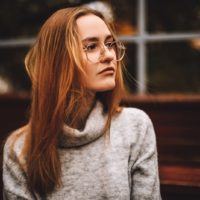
92,26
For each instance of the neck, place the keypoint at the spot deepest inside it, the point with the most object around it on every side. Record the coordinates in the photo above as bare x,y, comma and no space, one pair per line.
87,106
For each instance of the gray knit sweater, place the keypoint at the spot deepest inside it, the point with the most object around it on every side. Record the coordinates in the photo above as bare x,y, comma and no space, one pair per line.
126,168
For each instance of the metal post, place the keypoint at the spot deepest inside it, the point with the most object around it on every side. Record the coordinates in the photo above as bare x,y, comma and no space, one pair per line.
141,52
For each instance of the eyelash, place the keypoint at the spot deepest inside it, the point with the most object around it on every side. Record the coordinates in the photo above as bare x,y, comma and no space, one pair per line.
93,45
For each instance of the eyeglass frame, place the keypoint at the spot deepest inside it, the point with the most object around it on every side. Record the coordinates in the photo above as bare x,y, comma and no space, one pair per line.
114,44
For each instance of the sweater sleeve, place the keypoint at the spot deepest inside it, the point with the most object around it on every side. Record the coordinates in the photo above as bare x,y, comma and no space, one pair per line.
144,173
14,177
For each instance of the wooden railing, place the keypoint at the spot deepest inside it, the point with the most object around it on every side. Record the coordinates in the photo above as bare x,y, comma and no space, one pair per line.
176,119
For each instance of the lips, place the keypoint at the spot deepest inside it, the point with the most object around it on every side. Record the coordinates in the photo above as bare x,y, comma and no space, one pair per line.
107,69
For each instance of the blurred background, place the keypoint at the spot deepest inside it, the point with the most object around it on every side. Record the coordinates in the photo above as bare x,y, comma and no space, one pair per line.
162,39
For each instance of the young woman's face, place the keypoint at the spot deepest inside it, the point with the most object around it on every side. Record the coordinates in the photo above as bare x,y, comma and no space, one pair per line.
98,53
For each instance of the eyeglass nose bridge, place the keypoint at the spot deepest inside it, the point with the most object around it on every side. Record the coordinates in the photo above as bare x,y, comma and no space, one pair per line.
103,49
98,53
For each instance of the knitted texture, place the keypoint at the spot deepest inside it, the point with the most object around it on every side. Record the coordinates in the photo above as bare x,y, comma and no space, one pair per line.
124,168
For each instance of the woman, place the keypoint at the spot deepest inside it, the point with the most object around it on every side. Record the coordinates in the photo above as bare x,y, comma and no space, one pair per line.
79,144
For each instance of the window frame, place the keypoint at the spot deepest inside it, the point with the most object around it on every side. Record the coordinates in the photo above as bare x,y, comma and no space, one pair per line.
141,39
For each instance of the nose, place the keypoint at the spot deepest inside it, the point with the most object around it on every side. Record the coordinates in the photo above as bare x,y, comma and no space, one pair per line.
107,54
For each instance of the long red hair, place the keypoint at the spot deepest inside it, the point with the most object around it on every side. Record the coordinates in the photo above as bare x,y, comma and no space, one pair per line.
56,69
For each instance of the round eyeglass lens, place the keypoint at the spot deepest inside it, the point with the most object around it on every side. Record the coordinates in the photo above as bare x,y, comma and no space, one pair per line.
94,55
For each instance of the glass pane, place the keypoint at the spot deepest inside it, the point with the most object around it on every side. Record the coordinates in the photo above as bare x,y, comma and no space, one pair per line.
21,18
125,13
173,67
12,70
130,67
173,15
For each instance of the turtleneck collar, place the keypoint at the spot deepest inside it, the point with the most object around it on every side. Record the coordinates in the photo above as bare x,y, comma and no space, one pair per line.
93,129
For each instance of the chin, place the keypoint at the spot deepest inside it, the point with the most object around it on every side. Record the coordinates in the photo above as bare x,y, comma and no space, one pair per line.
106,87
102,86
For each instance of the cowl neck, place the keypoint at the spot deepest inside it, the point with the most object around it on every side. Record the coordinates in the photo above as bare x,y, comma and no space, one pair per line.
94,127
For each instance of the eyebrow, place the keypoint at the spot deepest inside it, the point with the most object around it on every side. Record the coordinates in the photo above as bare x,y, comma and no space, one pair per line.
95,39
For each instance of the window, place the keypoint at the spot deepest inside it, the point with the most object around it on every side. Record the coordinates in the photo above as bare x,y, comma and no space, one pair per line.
167,43
162,40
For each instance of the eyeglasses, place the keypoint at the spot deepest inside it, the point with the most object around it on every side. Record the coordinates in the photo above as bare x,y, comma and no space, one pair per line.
95,50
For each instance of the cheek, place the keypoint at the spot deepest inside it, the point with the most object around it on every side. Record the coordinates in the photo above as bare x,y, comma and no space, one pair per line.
88,66
90,71
100,83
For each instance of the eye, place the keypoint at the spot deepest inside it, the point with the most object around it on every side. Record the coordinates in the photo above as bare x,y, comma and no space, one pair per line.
110,44
90,47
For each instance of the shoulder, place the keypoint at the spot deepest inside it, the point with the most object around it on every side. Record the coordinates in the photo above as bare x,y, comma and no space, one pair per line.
134,115
131,124
15,142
